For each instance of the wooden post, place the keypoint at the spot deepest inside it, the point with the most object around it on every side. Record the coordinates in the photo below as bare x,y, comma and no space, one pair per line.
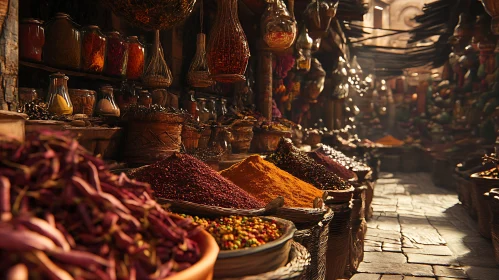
264,85
9,54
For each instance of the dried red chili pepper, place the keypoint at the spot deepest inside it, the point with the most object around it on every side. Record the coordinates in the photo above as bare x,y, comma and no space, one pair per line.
94,49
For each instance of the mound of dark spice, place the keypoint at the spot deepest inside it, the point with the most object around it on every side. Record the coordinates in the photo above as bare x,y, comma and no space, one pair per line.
341,158
332,165
291,159
183,177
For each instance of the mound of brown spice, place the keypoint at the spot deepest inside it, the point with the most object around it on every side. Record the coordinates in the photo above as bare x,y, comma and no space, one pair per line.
183,177
291,159
266,181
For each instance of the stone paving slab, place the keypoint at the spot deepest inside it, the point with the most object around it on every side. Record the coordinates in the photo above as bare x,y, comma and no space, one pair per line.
420,232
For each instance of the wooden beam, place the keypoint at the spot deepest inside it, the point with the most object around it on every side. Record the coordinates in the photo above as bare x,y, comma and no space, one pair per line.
9,54
264,80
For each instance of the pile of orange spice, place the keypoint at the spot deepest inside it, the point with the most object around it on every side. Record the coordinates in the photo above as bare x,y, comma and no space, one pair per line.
390,141
266,181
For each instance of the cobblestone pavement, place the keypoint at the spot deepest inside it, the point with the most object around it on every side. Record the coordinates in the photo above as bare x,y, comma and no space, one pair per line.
421,232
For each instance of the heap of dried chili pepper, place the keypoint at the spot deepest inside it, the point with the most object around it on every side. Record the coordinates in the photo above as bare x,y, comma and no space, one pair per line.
63,215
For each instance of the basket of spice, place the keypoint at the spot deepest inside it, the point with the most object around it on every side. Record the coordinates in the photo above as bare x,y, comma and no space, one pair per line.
249,245
493,199
302,204
482,183
292,160
242,133
94,225
152,133
267,136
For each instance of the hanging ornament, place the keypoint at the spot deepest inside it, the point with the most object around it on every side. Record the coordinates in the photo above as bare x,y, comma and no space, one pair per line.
304,46
492,8
228,50
278,26
318,15
199,73
157,74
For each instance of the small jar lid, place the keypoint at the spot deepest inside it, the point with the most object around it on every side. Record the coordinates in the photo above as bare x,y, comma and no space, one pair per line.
113,33
58,75
92,27
62,15
31,20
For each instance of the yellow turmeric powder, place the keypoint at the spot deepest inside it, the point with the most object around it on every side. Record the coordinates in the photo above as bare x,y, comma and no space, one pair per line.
390,141
266,181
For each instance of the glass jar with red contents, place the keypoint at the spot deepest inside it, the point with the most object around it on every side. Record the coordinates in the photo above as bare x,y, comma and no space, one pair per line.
116,54
93,49
31,39
136,54
62,46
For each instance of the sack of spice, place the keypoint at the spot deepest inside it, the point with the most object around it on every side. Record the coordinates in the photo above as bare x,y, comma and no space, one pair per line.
266,181
182,177
296,162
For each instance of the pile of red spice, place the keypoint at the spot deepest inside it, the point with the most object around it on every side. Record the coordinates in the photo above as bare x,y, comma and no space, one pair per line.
332,165
183,177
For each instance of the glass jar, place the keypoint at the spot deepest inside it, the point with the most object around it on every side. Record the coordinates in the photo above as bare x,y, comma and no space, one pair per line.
27,95
62,43
116,55
191,105
106,107
145,98
59,102
31,39
278,26
211,106
222,108
83,101
228,50
126,96
93,49
204,113
136,58
160,97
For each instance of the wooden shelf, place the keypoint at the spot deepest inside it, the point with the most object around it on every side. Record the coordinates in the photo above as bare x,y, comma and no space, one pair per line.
69,72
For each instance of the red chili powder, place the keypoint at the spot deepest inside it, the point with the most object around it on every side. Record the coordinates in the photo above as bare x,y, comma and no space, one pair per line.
183,177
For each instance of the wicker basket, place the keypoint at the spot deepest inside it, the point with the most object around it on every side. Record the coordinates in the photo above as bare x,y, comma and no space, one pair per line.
242,136
358,223
265,141
339,196
479,188
369,199
338,247
190,137
150,140
295,269
411,160
315,238
205,138
441,172
257,260
493,199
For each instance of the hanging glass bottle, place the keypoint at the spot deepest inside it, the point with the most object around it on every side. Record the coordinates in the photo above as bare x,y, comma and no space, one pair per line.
278,26
228,50
304,45
157,74
58,100
318,15
199,73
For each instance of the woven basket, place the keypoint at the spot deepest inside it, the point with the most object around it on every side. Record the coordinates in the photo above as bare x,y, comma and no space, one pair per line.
493,200
267,141
356,255
479,188
205,138
441,172
242,136
369,199
257,260
150,140
410,160
295,269
190,137
339,196
338,247
390,163
315,239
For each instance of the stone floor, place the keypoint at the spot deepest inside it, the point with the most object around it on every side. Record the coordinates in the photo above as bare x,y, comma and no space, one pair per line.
421,232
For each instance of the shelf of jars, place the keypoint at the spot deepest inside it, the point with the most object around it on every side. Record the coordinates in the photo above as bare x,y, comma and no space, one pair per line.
72,73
